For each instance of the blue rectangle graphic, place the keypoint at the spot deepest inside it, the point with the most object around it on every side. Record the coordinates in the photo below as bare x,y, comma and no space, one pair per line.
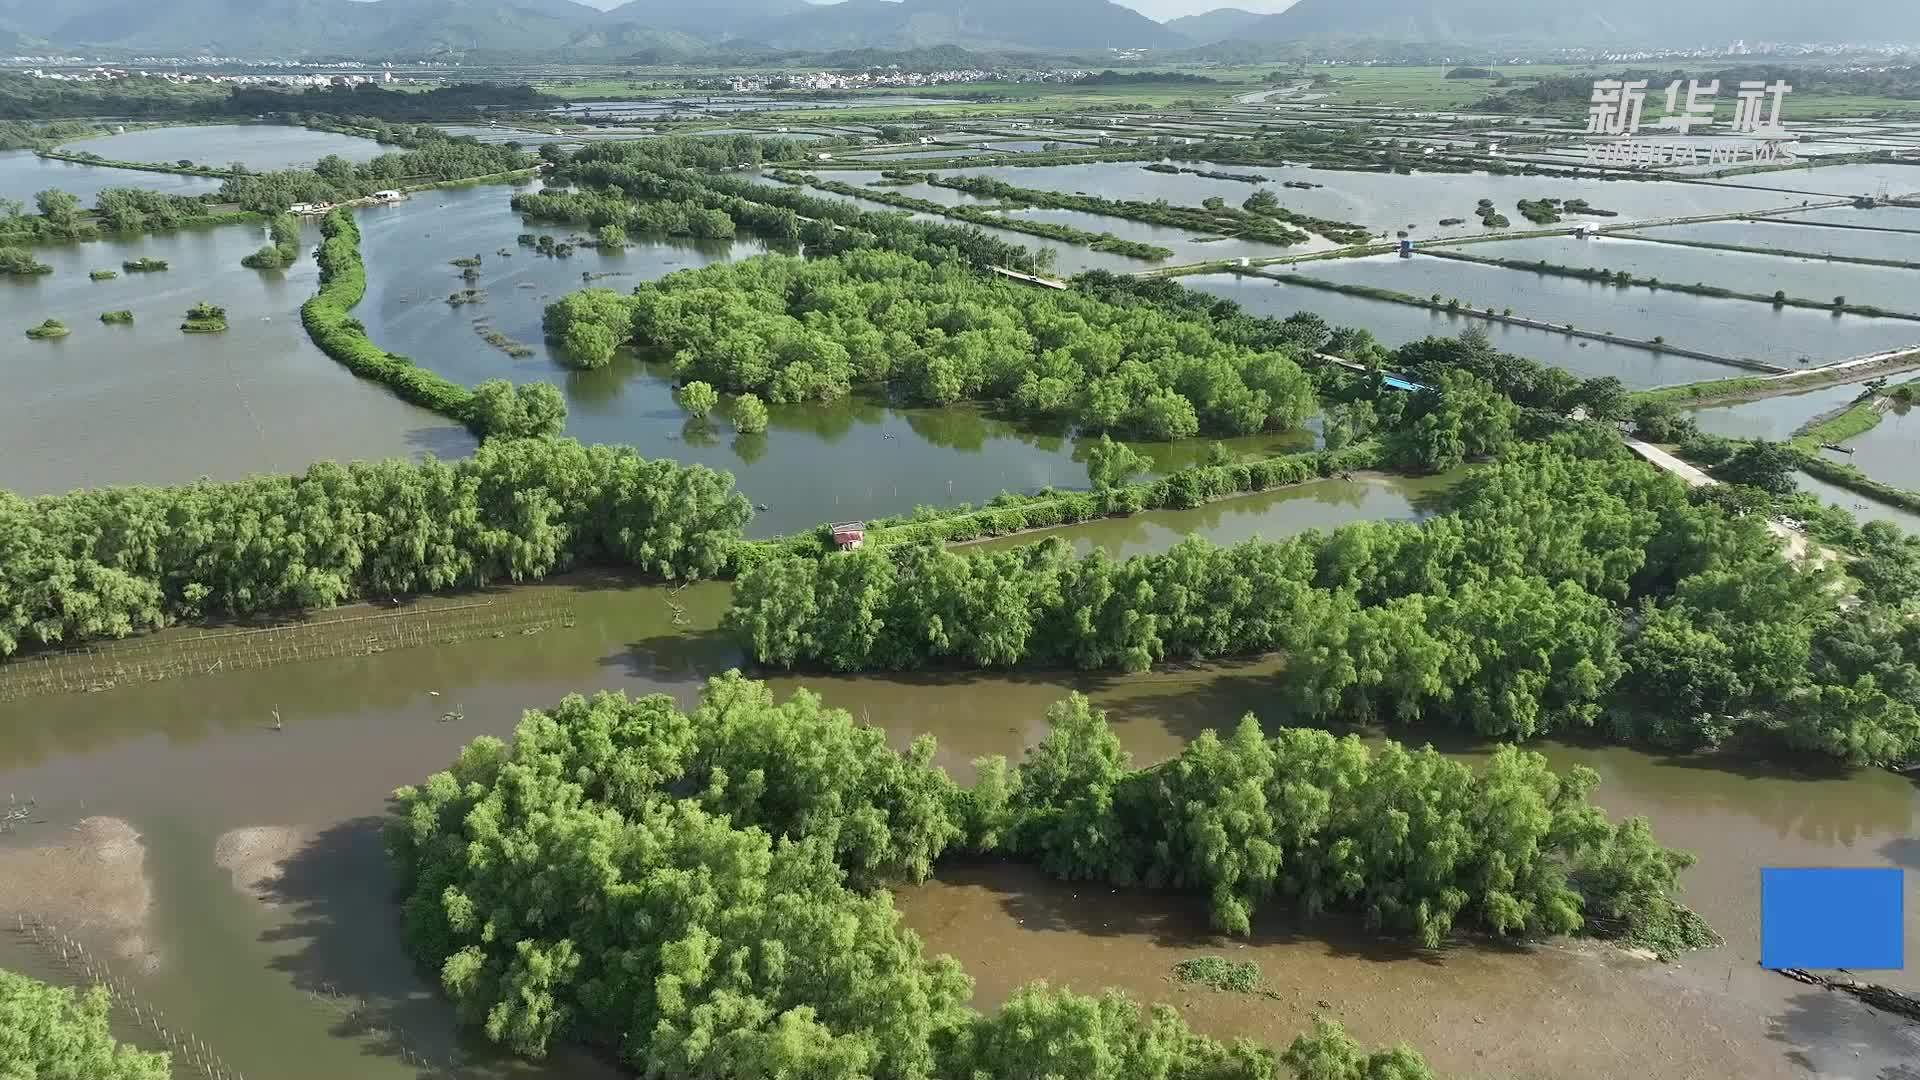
1832,918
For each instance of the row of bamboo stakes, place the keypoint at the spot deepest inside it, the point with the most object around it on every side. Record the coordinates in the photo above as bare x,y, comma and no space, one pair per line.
190,1052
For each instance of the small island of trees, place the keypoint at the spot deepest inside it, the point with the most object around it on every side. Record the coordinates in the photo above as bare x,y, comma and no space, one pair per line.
205,318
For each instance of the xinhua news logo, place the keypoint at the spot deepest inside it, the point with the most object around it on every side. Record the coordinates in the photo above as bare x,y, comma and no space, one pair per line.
1618,108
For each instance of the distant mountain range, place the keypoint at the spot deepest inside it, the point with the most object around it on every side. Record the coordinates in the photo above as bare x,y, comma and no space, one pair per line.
316,28
1613,22
645,30
1216,25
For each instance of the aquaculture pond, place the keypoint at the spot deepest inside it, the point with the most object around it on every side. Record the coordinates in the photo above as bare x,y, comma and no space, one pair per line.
862,178
854,458
1890,452
1396,324
24,173
1840,181
1901,218
1891,288
145,403
1864,507
1187,245
1385,202
253,904
1775,418
259,146
1723,327
1782,236
1320,504
1066,258
924,152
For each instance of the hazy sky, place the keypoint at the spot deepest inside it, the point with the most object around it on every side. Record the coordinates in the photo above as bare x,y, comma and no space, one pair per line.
1158,9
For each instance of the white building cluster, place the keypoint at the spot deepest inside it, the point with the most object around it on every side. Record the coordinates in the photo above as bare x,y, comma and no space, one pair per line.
890,78
112,74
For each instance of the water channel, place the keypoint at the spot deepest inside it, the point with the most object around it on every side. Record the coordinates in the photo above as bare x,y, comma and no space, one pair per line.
257,889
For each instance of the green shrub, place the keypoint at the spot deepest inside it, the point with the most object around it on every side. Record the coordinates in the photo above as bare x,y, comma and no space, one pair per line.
52,328
19,262
111,317
698,398
749,414
51,1032
205,318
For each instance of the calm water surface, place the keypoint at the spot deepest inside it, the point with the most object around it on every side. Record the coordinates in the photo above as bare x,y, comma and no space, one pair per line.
1775,418
24,173
260,146
1905,218
1860,506
1396,324
1726,327
148,404
1892,288
1767,233
1272,515
1840,181
1385,202
1890,452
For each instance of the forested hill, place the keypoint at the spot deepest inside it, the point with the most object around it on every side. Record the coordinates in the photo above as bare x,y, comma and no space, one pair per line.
1216,25
1034,24
374,28
305,27
1617,22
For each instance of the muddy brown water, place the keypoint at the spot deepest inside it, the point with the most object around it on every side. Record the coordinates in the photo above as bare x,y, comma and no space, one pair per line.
256,957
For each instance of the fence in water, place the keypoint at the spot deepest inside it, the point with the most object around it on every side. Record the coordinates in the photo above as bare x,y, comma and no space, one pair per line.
175,655
192,1057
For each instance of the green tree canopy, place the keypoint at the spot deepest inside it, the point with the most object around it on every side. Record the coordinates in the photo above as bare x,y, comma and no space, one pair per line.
47,1033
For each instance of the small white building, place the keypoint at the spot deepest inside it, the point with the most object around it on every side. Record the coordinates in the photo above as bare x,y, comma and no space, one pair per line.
388,196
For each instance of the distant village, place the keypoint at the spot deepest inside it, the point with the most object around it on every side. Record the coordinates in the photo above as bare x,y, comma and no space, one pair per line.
881,78
112,74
